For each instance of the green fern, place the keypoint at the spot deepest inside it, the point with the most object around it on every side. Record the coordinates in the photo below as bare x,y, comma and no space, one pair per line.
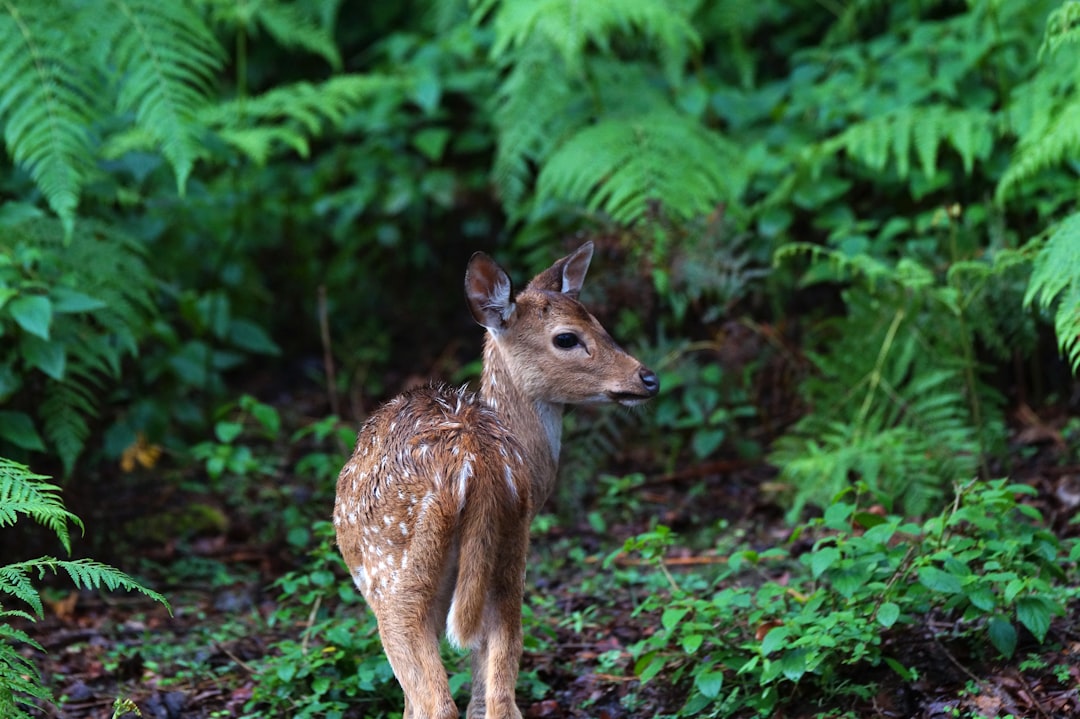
48,99
168,58
303,25
20,681
571,27
620,166
918,131
289,115
1044,111
100,299
572,107
66,66
897,401
1055,285
24,493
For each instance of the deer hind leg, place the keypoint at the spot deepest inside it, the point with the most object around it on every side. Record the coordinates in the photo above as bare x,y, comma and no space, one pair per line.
411,623
495,662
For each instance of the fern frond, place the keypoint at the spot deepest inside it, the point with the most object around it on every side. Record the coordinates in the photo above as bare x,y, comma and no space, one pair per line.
89,574
920,131
15,582
292,27
289,115
169,59
1062,27
64,413
535,108
102,294
570,27
29,494
1055,286
619,166
897,401
20,681
47,100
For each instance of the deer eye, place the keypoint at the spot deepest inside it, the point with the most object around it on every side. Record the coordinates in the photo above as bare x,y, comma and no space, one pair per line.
566,340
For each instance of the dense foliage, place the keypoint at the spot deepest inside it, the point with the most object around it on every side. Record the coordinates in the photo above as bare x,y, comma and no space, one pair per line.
868,213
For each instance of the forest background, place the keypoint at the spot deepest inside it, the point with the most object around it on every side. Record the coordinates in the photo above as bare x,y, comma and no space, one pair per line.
846,234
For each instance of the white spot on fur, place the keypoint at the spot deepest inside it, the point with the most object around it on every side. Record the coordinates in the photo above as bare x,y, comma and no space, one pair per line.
510,480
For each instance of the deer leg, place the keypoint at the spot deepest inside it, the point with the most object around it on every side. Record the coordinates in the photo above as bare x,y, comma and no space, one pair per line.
415,658
478,702
497,660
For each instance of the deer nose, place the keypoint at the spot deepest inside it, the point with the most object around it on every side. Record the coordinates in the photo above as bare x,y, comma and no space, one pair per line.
650,380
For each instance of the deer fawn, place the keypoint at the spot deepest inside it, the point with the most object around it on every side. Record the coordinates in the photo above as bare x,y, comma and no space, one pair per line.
433,509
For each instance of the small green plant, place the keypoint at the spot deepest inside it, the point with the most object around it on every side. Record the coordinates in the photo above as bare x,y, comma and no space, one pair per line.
336,658
986,561
226,457
25,493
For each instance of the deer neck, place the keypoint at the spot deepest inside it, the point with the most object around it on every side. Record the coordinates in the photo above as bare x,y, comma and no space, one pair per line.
536,424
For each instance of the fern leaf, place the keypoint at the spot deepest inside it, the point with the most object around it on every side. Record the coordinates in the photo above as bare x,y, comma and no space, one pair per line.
64,413
15,582
1043,147
29,494
535,109
1062,27
293,28
892,135
570,26
620,166
46,101
20,681
289,115
1055,285
169,58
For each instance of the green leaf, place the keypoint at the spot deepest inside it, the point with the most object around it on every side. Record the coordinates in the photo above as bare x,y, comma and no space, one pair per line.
251,337
793,664
939,581
709,683
692,642
33,313
648,666
431,142
1035,613
228,431
822,559
67,300
775,639
672,616
18,428
1002,635
888,613
982,597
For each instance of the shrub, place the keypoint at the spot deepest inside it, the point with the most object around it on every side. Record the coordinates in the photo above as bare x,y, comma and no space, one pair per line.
986,563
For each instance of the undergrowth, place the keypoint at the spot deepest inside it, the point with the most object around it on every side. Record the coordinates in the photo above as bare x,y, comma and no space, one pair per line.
780,623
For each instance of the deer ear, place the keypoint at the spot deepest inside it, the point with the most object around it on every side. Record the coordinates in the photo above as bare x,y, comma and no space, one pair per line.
487,290
566,275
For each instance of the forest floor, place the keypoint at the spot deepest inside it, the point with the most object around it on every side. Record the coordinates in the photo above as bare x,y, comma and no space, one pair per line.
103,647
